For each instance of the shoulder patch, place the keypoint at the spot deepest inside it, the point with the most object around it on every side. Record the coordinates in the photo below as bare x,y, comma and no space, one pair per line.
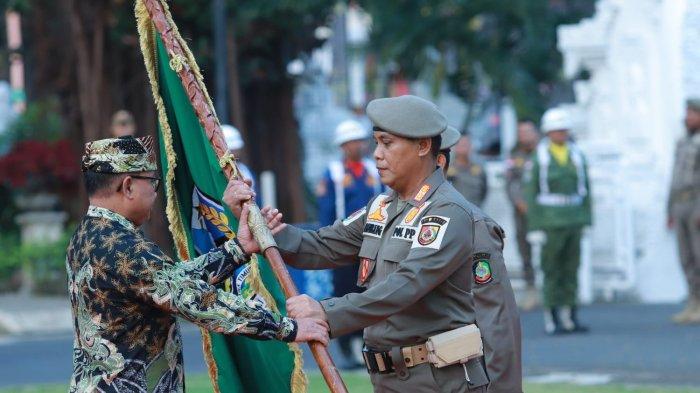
354,216
410,217
377,212
431,232
421,193
481,268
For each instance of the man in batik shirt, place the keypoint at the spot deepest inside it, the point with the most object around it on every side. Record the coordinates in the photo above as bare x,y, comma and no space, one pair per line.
125,292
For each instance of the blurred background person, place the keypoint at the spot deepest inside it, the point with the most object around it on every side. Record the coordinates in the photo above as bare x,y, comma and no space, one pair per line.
348,185
466,175
684,209
449,138
519,160
559,204
123,124
235,144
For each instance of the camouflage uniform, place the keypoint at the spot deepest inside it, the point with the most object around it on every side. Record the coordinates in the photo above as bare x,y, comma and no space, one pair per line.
684,207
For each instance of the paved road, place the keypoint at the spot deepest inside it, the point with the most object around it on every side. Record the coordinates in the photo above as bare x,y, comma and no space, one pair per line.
629,343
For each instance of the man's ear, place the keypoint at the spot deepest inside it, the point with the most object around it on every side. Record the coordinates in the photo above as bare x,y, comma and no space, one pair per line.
128,187
424,146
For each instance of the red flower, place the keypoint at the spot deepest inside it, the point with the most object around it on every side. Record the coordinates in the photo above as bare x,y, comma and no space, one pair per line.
39,165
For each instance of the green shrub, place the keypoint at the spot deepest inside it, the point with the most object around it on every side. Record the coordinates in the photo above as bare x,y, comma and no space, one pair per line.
43,263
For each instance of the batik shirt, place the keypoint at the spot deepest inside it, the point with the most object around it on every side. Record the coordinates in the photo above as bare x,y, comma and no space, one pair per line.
125,294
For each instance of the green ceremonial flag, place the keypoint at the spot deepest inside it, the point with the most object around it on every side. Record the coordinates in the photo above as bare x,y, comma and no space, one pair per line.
194,183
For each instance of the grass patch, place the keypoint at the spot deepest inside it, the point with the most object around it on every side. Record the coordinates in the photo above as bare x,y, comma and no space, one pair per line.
359,383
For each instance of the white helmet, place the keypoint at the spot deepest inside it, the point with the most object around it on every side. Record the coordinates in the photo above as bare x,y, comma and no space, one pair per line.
349,130
232,137
555,119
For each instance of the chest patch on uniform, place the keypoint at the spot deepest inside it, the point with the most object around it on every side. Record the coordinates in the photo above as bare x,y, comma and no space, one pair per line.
431,232
374,230
404,232
354,216
482,268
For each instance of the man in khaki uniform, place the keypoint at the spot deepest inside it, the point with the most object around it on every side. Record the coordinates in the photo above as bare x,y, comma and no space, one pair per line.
467,176
430,262
518,163
449,138
684,210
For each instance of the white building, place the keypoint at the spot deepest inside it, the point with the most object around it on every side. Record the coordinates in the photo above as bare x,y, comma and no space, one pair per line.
643,58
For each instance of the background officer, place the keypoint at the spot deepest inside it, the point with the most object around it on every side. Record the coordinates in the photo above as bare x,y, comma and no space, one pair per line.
347,185
429,260
559,203
684,209
466,175
449,137
519,160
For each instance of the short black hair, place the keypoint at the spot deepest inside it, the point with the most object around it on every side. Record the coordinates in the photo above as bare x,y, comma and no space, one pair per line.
96,182
446,153
435,143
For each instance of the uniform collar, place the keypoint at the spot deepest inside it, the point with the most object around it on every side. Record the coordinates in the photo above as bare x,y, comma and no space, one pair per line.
101,212
425,191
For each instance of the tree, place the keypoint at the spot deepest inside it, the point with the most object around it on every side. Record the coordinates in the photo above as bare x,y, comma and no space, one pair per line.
509,43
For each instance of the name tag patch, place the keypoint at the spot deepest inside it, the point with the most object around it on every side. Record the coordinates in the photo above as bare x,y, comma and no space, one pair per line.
431,232
374,230
404,232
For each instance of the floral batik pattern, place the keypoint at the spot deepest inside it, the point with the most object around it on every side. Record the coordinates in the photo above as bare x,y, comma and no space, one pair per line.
125,293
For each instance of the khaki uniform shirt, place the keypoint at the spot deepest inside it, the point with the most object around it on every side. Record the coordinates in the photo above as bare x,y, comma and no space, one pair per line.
685,184
516,166
430,264
471,182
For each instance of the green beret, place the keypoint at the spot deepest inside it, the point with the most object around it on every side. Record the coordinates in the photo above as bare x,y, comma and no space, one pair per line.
450,137
120,155
406,116
693,103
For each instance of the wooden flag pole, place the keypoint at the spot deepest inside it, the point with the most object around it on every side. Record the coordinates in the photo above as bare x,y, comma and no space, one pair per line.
207,118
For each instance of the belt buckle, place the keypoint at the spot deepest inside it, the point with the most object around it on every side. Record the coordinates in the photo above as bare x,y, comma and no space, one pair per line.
414,355
377,362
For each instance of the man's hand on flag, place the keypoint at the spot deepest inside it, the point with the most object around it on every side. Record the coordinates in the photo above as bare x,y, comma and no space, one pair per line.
236,195
304,306
238,192
312,329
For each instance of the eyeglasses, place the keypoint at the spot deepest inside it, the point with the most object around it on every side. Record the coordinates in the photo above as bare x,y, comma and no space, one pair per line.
155,181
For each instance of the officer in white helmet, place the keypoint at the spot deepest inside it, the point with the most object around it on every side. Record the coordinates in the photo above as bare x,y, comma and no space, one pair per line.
348,185
235,144
558,197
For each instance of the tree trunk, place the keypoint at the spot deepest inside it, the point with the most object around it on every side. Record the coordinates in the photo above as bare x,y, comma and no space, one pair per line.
275,143
234,86
87,23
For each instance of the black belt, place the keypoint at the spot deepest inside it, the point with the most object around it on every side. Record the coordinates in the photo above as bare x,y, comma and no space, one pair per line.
378,362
